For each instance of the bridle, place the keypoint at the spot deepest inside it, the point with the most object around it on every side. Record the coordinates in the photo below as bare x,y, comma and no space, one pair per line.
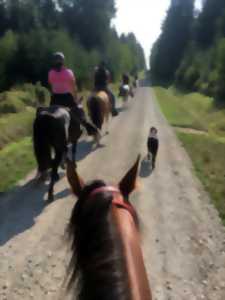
118,199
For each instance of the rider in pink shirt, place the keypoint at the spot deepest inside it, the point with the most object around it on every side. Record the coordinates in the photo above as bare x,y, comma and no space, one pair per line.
62,82
64,92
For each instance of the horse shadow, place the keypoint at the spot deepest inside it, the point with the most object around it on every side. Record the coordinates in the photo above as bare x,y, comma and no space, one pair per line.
145,169
84,148
121,109
20,208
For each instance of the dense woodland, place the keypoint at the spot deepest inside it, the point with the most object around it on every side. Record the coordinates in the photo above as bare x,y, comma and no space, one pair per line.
190,51
31,30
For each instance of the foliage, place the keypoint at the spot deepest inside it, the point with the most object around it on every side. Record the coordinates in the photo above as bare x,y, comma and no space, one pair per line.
31,30
13,127
18,154
201,67
193,110
169,48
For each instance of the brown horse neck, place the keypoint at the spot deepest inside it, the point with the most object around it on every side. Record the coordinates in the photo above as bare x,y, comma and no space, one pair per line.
130,237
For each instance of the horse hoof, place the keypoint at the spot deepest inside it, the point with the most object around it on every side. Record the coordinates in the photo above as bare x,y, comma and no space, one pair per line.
50,198
41,177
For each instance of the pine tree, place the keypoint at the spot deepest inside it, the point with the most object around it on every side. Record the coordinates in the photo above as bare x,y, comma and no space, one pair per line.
169,49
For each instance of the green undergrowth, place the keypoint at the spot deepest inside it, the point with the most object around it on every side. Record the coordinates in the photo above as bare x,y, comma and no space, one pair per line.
192,110
16,160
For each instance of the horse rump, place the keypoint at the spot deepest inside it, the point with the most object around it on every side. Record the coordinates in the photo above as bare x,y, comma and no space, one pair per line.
95,113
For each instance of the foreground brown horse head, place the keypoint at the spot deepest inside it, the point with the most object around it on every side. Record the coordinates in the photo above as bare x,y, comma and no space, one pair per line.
107,261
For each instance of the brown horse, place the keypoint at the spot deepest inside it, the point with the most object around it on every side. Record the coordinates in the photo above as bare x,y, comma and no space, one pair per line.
99,109
107,261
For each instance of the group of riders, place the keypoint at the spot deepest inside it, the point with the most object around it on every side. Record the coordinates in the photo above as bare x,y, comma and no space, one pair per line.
58,127
64,88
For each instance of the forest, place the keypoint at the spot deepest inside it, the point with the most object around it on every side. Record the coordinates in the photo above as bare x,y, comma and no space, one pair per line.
190,52
31,30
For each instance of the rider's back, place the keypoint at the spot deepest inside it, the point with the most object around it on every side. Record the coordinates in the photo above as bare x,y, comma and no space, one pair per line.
101,78
61,81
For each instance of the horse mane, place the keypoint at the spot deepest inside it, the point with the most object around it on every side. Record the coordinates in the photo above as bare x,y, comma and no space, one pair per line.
97,268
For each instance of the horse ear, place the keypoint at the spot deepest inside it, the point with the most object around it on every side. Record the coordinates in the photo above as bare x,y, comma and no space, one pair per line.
128,183
76,183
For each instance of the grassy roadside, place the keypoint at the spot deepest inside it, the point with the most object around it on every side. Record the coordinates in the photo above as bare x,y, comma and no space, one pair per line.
207,151
16,160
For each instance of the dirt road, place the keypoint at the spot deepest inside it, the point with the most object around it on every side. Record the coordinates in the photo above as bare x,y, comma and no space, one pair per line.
183,239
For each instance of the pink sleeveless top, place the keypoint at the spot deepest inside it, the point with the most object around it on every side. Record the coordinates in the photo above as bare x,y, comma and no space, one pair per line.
61,82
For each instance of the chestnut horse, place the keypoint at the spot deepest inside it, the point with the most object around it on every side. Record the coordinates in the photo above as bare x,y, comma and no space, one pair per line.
107,261
99,109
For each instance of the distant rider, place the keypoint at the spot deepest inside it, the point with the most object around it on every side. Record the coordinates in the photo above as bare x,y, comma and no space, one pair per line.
102,78
125,79
125,86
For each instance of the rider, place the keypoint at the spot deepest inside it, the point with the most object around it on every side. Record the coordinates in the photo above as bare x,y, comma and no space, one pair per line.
125,79
101,79
125,85
64,90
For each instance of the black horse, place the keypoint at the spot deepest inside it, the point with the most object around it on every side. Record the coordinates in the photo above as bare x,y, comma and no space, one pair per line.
54,129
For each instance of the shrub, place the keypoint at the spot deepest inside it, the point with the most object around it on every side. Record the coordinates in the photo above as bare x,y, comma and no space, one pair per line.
12,105
15,126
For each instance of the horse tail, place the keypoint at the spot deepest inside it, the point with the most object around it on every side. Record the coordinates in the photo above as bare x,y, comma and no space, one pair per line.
41,143
95,112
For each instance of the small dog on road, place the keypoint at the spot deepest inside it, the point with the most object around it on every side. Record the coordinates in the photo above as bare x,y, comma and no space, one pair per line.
153,145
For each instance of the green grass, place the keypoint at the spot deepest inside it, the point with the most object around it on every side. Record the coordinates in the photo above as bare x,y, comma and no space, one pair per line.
206,151
13,127
16,160
208,156
192,110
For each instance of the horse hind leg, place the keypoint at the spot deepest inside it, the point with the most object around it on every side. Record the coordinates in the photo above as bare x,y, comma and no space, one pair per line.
54,174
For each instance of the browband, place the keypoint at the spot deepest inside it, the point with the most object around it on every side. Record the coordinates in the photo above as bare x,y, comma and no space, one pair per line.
117,200
103,189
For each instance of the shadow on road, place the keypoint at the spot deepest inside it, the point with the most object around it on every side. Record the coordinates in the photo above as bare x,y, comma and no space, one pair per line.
19,210
20,207
84,148
145,170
